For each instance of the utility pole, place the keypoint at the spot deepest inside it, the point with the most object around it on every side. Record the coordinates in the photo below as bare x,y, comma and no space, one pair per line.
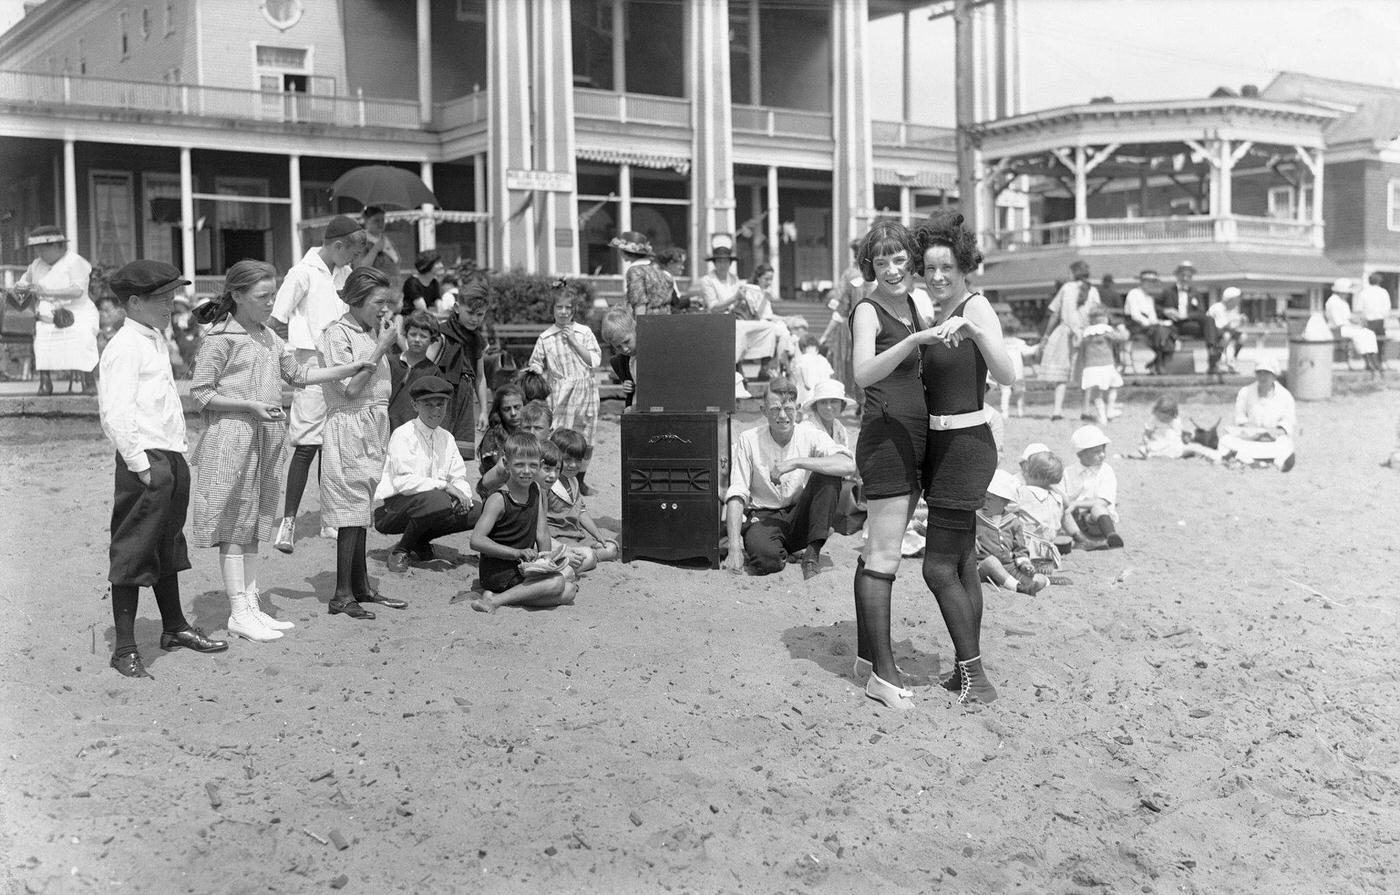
964,84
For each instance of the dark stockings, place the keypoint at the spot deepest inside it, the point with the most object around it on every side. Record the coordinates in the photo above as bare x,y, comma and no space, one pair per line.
351,574
302,455
950,570
873,620
124,600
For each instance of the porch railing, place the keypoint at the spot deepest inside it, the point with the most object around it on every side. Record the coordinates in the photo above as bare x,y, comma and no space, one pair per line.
774,122
462,111
904,133
1148,231
631,107
38,89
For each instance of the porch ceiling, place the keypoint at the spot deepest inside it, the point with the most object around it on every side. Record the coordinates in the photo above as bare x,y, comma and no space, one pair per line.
1214,265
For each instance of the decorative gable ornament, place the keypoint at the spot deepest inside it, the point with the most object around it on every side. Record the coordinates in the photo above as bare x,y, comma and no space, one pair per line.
283,14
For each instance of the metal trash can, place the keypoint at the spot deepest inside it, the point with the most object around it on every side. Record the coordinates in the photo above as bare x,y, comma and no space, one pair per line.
1310,369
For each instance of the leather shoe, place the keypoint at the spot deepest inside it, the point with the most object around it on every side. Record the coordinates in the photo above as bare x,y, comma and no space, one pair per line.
397,561
191,638
811,561
348,607
423,554
130,665
375,596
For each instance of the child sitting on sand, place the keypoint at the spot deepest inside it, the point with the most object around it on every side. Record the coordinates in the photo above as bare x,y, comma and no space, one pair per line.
1091,492
1162,436
1041,503
513,530
1002,555
536,420
561,457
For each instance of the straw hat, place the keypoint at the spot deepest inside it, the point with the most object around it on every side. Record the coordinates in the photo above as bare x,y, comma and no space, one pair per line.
45,236
1086,437
631,242
1342,285
829,390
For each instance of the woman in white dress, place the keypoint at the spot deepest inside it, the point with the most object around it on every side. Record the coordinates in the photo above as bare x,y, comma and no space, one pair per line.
1266,421
65,333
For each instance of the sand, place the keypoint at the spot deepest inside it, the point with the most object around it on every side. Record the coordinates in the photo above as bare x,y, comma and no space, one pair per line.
1210,709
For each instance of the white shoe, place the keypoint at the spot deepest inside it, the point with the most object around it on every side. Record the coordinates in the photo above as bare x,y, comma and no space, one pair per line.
329,532
267,620
286,535
243,621
895,697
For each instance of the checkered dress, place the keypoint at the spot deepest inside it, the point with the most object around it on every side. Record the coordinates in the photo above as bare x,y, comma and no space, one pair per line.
573,389
239,460
357,429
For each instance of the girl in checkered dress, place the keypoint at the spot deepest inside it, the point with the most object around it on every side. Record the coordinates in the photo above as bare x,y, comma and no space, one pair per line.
566,354
238,376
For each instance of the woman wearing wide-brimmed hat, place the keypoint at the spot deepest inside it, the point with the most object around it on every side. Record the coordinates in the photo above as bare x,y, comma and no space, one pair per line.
644,285
65,333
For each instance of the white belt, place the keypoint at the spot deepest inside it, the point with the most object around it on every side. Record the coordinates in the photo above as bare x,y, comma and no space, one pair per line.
944,422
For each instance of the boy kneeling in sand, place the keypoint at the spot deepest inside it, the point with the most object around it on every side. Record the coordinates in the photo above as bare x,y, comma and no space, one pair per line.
513,530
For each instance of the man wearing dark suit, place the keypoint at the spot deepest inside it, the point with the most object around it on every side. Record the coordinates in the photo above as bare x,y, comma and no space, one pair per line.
1183,305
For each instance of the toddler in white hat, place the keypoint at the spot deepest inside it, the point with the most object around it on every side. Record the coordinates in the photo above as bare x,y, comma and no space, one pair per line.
1091,492
1002,555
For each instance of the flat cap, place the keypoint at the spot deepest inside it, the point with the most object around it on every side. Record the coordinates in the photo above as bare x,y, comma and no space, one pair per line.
341,225
145,278
430,386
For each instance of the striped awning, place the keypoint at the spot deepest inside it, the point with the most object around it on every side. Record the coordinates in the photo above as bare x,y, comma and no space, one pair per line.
919,180
678,163
412,215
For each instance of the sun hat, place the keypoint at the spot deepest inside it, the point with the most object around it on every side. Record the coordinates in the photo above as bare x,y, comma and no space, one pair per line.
828,390
1342,284
1149,274
46,235
1185,265
720,253
1086,437
1268,365
1002,485
1034,448
1231,293
631,242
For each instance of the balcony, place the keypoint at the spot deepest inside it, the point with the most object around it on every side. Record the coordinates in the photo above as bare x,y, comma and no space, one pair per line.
1157,231
770,122
101,94
904,135
464,111
631,108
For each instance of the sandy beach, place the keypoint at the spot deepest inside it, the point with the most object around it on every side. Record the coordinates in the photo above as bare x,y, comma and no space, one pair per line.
1210,709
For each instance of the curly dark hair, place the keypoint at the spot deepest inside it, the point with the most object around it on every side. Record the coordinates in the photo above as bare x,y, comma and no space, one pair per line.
886,238
947,229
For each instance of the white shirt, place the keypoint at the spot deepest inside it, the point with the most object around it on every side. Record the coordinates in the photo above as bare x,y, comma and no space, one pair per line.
1092,483
1338,311
754,455
1372,303
1277,411
1224,316
716,290
1140,307
136,396
71,273
420,459
308,301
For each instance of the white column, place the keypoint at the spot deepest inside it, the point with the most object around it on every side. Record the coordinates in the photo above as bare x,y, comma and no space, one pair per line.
425,61
294,190
906,205
552,95
70,193
427,228
1082,235
773,222
483,230
712,148
1317,168
852,180
619,47
624,197
508,82
187,217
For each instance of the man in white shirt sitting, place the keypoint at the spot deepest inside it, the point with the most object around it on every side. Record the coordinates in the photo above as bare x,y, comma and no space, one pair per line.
1140,309
784,488
424,487
1372,304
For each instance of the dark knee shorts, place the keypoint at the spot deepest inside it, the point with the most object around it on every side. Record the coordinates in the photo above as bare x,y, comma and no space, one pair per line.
889,455
958,467
148,522
499,575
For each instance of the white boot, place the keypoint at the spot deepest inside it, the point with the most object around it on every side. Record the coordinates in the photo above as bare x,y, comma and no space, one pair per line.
268,621
243,620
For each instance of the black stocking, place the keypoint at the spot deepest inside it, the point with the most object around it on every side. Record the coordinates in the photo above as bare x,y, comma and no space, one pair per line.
950,570
862,645
124,598
359,574
297,473
172,617
873,619
345,543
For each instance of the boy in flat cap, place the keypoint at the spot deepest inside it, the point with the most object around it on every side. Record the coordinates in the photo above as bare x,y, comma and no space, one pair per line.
142,415
306,304
424,486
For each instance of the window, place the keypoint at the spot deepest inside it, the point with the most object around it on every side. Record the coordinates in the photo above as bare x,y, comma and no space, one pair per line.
471,11
660,208
121,27
112,216
1392,205
281,57
172,75
169,17
592,36
145,22
82,57
1281,203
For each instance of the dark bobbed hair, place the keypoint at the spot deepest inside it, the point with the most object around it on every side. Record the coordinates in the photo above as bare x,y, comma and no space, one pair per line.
670,256
549,454
498,398
426,259
759,271
886,238
532,384
947,229
370,211
571,443
361,284
240,278
421,320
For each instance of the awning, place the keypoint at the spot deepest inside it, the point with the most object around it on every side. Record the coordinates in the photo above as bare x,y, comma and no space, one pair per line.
1216,264
412,215
919,180
678,163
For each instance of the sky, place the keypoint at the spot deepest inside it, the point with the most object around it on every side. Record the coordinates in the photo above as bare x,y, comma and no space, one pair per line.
1072,50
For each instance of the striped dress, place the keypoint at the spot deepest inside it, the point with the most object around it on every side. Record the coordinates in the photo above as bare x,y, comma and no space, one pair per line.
573,389
357,429
238,463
